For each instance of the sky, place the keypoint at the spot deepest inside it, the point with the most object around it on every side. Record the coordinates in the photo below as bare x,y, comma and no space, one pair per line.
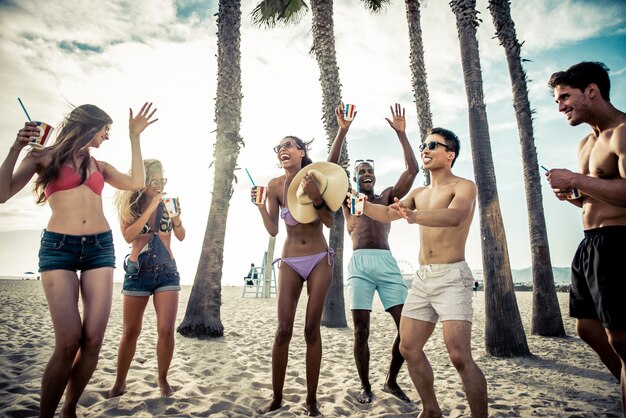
119,54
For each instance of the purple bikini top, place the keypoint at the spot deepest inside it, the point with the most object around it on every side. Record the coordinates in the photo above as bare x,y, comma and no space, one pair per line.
284,211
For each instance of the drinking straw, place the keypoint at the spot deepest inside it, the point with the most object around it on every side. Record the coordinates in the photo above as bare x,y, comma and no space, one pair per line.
357,184
20,100
250,177
544,168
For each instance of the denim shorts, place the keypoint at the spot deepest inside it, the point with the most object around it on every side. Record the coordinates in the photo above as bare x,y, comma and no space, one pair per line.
75,252
140,280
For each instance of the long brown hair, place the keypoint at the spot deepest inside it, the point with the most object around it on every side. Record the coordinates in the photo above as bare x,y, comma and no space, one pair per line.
73,136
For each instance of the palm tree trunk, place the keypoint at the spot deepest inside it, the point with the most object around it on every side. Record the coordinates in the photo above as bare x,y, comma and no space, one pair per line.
504,332
418,73
202,318
324,47
546,315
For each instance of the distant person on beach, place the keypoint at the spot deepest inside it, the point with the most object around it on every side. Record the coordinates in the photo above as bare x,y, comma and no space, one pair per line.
77,237
372,266
441,288
475,288
598,285
306,258
252,274
150,270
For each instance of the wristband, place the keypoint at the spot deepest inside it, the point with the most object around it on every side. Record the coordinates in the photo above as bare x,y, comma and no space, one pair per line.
177,226
320,206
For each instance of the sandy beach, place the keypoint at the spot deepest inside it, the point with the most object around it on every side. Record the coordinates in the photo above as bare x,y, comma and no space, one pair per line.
231,376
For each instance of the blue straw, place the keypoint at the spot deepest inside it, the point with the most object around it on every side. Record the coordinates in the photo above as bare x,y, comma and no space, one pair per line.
250,177
357,184
544,168
20,100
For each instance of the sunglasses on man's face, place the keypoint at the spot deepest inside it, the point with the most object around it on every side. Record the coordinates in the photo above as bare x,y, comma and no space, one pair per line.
158,182
286,145
432,145
359,162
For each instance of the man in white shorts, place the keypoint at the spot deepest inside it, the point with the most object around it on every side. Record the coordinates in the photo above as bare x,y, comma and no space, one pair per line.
442,287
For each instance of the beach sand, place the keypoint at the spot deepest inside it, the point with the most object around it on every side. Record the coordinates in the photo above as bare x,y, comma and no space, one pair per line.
231,376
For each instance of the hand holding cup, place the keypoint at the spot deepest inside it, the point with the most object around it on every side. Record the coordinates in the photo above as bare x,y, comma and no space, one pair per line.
258,195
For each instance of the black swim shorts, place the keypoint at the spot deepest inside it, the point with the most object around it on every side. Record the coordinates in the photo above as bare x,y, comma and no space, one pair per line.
599,278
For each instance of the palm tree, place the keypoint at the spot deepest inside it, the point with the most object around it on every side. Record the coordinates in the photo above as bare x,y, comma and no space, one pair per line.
202,318
272,12
418,73
504,332
546,317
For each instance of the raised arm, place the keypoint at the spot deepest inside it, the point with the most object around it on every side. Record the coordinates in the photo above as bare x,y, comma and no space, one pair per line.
405,182
458,210
344,125
136,179
10,182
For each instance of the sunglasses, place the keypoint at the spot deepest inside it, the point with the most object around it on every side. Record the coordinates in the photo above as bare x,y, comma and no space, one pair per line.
286,145
158,182
359,162
432,145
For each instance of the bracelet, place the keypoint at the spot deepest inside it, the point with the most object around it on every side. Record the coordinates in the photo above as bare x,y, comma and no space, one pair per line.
177,226
320,206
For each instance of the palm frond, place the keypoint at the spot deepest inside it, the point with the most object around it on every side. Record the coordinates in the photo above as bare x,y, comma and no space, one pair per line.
375,6
270,13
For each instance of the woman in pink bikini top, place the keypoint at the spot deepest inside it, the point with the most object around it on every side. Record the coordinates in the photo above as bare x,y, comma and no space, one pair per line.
306,258
77,238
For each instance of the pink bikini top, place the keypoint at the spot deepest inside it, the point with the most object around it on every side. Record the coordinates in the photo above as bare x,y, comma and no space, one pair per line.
68,179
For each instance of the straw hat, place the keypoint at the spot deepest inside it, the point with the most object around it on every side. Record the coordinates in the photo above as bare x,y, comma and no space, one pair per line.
332,182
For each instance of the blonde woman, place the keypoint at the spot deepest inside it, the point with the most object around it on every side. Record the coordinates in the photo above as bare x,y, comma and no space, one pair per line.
150,270
77,237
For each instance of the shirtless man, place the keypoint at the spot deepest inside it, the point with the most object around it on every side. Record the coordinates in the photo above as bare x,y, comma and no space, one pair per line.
372,266
442,287
598,285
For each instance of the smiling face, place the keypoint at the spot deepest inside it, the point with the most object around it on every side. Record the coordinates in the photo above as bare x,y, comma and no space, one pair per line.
437,157
574,103
364,176
155,183
289,153
101,136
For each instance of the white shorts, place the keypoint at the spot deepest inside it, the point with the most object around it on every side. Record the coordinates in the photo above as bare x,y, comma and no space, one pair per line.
441,292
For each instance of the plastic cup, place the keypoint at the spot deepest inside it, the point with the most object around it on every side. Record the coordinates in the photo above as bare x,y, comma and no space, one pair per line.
45,132
172,206
348,112
574,194
261,194
356,204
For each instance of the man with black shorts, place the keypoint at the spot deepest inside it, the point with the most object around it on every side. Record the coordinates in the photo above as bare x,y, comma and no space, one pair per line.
598,278
372,266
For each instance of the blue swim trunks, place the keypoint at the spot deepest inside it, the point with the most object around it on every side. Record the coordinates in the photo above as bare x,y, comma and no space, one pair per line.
371,270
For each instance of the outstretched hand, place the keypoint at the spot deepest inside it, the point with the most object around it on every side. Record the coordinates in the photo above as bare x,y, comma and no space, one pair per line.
402,210
137,124
341,120
398,122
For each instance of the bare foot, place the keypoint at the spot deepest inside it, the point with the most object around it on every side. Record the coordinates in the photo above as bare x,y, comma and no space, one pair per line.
166,389
395,390
312,409
67,414
430,414
272,406
117,390
366,396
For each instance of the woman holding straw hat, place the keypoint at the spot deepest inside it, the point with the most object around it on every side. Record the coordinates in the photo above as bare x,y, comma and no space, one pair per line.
77,237
305,197
150,270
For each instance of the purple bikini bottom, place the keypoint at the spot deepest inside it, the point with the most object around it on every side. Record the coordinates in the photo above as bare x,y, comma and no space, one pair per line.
305,264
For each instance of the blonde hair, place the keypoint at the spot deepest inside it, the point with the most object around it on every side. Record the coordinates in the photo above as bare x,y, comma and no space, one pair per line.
128,202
